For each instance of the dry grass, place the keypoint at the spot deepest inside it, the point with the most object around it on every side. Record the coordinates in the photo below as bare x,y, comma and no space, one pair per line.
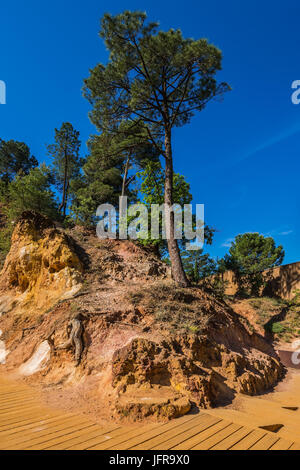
173,308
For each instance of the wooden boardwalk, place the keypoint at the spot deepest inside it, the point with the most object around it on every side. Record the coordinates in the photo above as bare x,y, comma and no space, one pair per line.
25,424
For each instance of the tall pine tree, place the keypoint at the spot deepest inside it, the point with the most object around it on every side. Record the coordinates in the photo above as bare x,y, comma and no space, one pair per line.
66,160
157,80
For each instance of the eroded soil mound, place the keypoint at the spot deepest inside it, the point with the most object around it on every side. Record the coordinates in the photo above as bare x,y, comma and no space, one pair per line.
276,319
149,348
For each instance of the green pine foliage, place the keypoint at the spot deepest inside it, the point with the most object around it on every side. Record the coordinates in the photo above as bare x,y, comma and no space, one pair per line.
15,158
151,186
249,255
29,192
198,265
154,81
66,162
152,192
100,181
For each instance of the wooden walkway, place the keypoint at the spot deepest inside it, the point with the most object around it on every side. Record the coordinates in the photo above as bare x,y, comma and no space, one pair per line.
25,424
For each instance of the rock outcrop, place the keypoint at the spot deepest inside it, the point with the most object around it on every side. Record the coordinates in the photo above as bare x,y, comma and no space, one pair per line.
149,348
41,268
195,367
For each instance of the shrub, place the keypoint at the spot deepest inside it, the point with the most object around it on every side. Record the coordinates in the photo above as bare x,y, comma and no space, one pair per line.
278,328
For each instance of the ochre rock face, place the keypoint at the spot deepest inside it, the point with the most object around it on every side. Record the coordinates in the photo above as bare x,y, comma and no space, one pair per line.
42,265
150,349
193,367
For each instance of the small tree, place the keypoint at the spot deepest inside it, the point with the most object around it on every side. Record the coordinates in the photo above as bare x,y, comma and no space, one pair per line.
15,158
156,80
66,160
198,265
110,170
29,192
249,255
100,182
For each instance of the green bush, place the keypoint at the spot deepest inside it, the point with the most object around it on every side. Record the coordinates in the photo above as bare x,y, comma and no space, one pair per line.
277,328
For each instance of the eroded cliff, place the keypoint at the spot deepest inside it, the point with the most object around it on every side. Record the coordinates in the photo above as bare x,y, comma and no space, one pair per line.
149,348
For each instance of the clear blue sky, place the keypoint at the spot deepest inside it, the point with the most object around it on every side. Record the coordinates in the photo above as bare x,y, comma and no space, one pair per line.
241,156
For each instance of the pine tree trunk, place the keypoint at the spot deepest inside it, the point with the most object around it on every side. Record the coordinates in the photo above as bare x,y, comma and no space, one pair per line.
125,176
64,199
178,273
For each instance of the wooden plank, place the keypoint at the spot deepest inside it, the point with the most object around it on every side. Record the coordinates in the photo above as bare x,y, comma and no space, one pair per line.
80,441
157,426
295,446
21,393
25,423
18,416
14,393
13,398
191,442
109,443
17,404
8,406
24,417
18,408
12,388
15,411
40,440
206,444
12,429
56,440
122,442
282,444
265,443
183,436
30,436
42,429
147,440
98,440
229,441
249,440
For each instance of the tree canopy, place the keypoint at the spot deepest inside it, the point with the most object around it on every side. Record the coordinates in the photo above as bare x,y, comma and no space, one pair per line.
154,80
249,255
15,158
198,265
26,192
66,160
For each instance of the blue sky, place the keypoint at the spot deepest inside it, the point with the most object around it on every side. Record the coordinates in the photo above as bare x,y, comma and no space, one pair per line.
241,156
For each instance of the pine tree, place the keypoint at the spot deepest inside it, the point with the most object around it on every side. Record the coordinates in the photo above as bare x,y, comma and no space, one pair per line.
157,80
100,182
249,255
66,160
29,192
198,265
15,158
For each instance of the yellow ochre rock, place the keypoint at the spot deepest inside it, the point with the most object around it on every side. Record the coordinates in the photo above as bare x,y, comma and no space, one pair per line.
41,267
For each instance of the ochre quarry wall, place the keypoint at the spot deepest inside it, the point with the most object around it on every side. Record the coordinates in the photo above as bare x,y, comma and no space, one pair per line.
148,348
283,281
